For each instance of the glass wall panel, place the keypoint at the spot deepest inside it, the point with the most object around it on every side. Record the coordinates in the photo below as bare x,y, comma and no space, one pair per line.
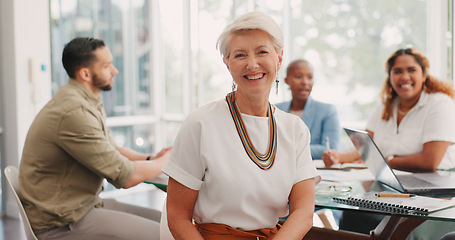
63,27
171,21
140,138
172,128
110,28
124,26
214,76
143,49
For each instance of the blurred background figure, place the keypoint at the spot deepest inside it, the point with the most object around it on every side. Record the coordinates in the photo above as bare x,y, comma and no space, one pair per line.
321,118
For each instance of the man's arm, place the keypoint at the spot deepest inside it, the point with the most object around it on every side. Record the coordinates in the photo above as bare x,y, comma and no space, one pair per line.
133,155
146,170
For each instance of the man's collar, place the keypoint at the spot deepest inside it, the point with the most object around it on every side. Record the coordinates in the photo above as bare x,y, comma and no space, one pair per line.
96,100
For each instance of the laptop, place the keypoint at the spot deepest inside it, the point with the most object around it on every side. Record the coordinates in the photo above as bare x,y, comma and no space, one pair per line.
401,181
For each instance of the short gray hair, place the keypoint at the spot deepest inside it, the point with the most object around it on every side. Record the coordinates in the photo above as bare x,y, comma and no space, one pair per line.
246,22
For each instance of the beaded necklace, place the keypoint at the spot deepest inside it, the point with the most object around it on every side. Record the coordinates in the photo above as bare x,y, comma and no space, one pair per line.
263,161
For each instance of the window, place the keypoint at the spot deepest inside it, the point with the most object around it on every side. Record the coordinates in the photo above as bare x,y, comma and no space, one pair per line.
348,43
127,29
165,52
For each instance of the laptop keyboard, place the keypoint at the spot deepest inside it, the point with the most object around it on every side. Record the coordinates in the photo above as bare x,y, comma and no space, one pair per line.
411,181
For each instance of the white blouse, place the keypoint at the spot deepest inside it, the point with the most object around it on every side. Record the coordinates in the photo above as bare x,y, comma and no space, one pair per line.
208,156
431,119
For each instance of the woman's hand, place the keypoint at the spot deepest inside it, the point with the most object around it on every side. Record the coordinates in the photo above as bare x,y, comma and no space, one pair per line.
330,157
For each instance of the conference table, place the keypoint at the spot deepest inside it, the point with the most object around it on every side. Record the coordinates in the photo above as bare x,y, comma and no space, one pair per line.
358,179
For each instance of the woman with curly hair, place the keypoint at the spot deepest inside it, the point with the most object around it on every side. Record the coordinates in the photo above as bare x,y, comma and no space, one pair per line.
414,123
413,126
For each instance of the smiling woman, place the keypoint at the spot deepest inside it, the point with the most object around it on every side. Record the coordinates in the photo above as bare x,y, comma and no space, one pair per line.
413,123
407,80
413,126
253,63
217,174
418,113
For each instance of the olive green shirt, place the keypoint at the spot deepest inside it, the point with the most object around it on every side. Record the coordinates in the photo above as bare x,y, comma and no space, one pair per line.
68,152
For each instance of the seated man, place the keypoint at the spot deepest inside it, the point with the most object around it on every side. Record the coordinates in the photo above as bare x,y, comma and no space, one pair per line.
69,151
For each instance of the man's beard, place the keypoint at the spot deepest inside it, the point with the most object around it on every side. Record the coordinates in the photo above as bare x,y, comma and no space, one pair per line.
97,82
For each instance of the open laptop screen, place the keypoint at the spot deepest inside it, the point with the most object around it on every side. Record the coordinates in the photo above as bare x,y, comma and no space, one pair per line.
373,158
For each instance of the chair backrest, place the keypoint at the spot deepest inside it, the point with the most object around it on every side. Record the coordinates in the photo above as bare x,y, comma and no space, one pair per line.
12,175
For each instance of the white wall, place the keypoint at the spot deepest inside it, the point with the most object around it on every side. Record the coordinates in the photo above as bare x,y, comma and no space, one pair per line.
24,34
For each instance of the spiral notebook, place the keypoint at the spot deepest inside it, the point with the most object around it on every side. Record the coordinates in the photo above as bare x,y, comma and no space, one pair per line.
412,205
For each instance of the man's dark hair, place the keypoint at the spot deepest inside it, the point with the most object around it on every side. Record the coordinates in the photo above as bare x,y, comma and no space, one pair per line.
78,53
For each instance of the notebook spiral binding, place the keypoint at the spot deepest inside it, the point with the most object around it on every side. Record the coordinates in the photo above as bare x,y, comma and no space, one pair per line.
382,206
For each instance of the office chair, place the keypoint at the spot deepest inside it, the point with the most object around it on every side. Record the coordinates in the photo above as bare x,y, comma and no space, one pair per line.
12,175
